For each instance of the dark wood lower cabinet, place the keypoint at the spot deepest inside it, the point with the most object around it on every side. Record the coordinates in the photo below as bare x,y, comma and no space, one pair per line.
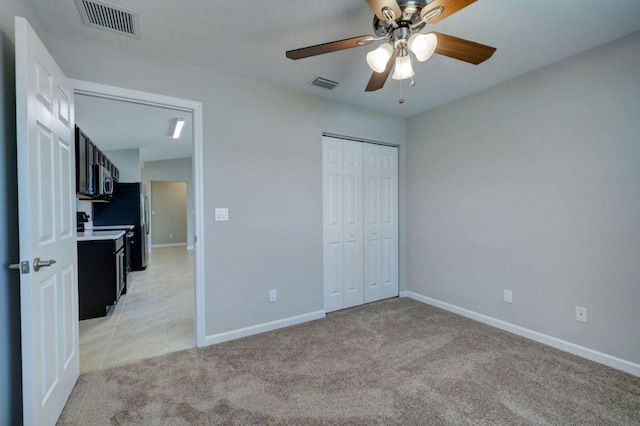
101,274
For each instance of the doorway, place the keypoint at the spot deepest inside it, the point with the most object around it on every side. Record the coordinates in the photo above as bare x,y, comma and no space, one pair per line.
192,262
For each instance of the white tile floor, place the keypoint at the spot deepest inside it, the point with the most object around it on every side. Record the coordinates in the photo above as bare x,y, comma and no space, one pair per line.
155,317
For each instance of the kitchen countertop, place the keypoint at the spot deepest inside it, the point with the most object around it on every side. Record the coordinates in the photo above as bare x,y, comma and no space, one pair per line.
90,235
111,227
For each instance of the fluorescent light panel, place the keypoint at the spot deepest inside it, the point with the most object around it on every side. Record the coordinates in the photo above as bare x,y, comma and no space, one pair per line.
178,124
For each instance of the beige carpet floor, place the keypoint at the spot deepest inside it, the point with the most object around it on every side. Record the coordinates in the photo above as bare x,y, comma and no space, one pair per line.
396,362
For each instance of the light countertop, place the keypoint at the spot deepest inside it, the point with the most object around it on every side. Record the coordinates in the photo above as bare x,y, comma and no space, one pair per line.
111,227
90,235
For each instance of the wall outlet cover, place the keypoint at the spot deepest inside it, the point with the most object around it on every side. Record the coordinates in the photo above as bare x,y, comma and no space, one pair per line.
581,314
508,296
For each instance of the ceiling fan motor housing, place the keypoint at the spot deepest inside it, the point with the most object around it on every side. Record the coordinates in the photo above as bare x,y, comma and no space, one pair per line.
410,19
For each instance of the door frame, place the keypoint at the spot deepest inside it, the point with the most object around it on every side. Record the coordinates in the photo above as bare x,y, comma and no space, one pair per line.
145,98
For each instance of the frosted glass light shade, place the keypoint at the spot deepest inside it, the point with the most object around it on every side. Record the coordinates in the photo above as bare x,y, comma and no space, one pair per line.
423,45
377,59
403,68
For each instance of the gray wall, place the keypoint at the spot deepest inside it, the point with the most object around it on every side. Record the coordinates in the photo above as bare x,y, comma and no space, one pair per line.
10,359
180,170
128,163
168,213
263,161
534,186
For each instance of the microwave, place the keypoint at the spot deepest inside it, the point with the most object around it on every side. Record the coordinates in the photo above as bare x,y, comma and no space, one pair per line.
104,181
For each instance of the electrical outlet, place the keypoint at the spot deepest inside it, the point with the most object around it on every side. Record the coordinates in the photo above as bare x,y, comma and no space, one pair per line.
581,314
273,295
170,235
508,296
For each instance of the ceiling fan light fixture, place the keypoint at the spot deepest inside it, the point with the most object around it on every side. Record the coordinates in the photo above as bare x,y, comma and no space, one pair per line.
423,45
403,68
378,58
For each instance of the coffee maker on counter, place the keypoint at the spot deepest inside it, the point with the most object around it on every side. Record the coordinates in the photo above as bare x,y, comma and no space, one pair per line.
81,218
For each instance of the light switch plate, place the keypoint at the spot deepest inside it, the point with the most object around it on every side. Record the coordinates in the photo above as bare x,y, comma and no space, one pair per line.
222,214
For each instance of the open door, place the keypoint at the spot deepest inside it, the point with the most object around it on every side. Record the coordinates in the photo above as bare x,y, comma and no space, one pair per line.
46,194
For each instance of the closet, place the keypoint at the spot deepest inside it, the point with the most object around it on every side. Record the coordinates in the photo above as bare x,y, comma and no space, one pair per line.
360,217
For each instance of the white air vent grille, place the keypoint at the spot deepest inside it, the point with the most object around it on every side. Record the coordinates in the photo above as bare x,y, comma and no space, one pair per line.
324,83
96,13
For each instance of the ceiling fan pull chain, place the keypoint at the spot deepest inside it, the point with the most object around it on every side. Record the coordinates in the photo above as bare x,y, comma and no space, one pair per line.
413,82
401,100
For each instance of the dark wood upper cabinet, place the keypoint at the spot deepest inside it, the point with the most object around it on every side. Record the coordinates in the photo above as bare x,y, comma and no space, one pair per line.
87,156
85,152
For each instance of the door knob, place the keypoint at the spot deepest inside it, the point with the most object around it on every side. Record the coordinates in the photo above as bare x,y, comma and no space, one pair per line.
23,267
37,263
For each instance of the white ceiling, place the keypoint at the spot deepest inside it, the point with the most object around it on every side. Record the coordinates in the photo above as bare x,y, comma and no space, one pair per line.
249,38
114,125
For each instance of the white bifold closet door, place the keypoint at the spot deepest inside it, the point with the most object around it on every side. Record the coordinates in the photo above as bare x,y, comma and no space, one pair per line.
360,213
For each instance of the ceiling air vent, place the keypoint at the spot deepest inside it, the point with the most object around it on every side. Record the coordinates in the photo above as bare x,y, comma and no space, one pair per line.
96,13
324,83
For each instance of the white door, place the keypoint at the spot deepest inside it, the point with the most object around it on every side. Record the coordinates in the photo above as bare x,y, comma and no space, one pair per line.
380,222
360,213
46,188
342,216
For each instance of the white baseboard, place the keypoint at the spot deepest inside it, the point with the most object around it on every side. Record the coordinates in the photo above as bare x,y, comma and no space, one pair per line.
563,345
261,328
168,245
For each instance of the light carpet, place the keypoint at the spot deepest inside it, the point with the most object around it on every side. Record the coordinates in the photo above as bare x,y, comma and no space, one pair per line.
395,362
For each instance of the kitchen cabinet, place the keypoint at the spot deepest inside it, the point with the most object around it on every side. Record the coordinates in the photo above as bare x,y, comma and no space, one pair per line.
87,156
85,159
101,272
115,173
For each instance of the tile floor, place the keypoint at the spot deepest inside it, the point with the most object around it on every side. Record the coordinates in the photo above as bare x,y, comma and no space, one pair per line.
155,317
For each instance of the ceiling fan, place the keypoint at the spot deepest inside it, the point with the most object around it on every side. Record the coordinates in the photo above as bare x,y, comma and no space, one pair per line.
399,23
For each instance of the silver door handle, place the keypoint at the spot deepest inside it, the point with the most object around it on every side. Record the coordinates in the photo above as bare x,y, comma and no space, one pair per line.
37,263
23,267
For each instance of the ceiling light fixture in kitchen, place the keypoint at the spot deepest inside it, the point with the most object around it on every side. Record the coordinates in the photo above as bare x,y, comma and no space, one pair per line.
176,127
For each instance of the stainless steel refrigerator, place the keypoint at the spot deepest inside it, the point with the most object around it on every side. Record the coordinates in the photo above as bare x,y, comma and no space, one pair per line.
129,206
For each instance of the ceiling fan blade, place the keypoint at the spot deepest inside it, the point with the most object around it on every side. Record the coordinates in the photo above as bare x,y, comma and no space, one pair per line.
378,5
463,50
450,7
332,46
377,80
